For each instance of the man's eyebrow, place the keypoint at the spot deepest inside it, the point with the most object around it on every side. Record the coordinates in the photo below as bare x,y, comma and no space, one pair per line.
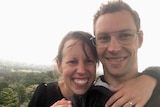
124,30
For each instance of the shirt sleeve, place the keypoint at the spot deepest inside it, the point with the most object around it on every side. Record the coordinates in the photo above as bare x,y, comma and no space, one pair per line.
153,71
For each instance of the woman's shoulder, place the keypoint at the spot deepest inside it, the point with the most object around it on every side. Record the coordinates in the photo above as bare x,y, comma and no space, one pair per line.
51,84
45,87
46,93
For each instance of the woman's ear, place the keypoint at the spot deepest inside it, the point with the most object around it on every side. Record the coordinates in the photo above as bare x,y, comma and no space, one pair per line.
59,65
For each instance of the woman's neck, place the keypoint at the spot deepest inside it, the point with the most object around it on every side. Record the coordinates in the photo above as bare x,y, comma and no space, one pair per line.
64,90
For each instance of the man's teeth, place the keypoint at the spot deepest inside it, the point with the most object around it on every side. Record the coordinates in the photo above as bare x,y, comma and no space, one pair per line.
80,81
116,59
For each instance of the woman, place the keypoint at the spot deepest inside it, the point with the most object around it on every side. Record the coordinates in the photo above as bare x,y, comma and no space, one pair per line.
76,61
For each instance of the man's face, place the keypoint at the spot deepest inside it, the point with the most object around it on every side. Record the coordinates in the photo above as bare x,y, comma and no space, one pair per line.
118,56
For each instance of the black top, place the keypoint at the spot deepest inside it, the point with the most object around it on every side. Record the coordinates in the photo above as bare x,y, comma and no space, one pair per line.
46,95
98,95
154,101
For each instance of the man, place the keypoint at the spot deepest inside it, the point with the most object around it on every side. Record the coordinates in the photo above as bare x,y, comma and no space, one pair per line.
117,39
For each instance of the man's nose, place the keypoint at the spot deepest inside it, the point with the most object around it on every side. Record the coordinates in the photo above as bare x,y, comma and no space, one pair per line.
114,45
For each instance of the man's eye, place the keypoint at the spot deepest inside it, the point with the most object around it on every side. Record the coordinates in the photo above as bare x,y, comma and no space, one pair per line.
103,37
125,36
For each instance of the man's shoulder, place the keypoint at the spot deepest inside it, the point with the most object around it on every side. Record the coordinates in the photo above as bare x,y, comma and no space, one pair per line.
100,88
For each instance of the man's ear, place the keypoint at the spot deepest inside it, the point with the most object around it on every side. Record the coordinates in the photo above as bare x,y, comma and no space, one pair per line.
140,38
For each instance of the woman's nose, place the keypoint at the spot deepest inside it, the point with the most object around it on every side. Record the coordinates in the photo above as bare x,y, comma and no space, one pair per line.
81,68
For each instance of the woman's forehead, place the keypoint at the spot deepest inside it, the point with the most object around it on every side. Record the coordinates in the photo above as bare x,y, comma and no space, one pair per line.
71,43
75,45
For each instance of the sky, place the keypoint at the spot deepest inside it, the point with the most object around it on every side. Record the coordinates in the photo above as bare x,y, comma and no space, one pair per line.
31,30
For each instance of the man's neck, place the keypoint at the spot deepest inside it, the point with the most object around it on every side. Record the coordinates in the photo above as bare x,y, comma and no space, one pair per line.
117,80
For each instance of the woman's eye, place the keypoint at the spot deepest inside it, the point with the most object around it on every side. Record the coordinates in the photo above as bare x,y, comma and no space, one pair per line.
72,62
90,61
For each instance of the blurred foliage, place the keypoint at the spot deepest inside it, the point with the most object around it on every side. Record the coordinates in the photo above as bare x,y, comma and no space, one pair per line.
16,88
19,81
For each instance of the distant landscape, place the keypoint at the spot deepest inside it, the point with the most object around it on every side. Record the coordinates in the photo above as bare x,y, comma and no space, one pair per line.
11,66
18,81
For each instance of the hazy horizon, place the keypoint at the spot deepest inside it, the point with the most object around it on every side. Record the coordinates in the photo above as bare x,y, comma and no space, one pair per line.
31,30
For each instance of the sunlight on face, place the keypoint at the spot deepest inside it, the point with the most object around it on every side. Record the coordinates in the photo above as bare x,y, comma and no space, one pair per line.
78,71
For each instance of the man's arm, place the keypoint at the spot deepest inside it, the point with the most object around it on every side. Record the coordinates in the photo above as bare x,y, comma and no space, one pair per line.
153,71
150,75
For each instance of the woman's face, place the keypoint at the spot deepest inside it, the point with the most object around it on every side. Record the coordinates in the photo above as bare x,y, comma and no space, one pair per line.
78,71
